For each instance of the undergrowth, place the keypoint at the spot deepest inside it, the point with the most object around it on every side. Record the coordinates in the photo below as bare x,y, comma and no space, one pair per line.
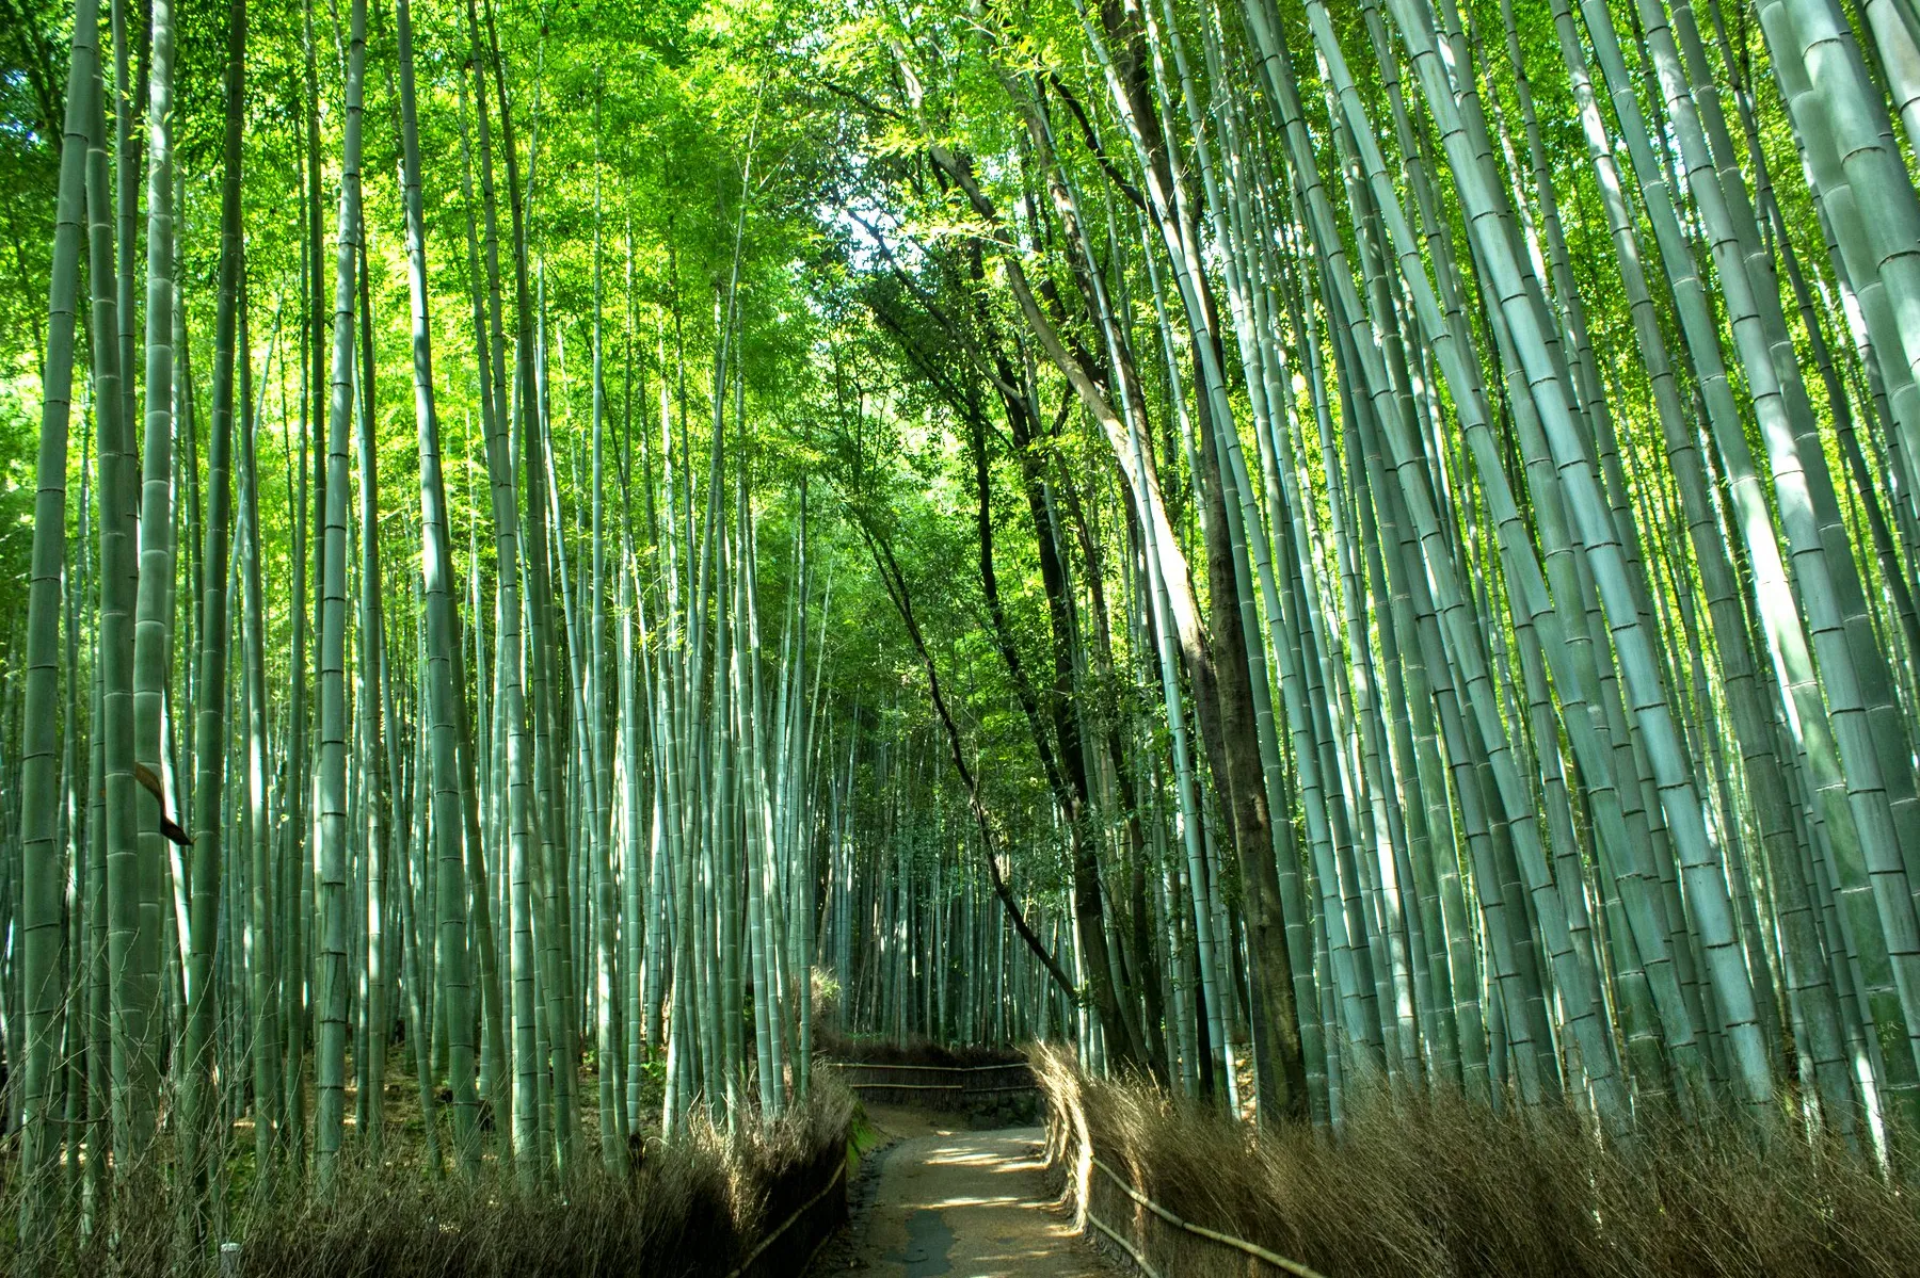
1437,1185
688,1209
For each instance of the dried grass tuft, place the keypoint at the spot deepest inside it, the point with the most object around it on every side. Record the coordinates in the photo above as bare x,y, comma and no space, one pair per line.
1441,1186
686,1210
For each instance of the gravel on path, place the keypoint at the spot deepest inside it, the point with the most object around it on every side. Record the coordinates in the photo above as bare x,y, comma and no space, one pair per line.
945,1202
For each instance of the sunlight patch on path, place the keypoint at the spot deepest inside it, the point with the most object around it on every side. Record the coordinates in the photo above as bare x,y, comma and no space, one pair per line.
958,1204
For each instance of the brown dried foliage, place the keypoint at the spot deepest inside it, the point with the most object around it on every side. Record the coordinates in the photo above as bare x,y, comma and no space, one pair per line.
1436,1185
687,1210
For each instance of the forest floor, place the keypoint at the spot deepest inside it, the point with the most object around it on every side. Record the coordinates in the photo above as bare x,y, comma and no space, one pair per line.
946,1202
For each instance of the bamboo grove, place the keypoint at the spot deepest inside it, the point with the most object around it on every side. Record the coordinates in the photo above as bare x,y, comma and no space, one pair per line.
1309,550
1537,723
327,768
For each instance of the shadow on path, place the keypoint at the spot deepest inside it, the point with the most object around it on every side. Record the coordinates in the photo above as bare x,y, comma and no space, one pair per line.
951,1203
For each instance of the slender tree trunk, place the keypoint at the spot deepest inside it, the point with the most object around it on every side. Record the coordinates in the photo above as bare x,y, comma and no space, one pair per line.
330,1046
41,878
210,745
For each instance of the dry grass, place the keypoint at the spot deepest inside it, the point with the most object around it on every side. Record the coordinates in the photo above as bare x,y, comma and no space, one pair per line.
693,1208
1438,1186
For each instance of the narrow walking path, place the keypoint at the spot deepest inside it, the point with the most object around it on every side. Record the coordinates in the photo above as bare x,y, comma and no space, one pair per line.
951,1203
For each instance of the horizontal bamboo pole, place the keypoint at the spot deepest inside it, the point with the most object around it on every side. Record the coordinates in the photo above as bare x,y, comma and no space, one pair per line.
1258,1252
946,1087
839,1174
1125,1243
938,1069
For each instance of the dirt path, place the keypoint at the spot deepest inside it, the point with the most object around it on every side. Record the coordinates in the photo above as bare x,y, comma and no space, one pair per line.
951,1203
